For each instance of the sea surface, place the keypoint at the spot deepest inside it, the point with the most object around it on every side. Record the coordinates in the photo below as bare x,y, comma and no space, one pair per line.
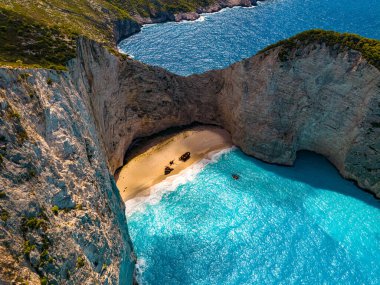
218,40
275,225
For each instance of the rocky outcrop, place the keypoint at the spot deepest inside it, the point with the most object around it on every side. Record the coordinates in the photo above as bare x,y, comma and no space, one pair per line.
125,28
63,133
130,99
322,98
167,16
62,218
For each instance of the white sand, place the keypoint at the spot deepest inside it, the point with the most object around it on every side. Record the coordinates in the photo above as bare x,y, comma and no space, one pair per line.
147,169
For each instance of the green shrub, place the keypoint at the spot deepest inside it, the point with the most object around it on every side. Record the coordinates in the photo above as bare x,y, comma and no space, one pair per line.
1,160
44,254
22,76
4,215
80,262
369,48
44,280
28,247
15,115
31,93
55,210
45,258
49,81
34,223
2,194
32,173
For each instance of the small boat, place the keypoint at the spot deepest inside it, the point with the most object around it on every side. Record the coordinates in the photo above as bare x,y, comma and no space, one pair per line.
185,157
235,176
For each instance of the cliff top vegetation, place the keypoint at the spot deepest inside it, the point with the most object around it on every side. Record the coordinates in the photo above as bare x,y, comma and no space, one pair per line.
42,33
369,48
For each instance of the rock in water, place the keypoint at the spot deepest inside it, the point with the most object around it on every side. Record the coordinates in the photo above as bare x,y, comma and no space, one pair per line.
235,176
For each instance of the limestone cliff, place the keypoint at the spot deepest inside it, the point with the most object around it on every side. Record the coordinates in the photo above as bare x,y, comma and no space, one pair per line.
322,98
63,133
62,219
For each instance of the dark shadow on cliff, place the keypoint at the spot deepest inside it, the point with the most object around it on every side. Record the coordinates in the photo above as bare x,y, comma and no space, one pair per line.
316,171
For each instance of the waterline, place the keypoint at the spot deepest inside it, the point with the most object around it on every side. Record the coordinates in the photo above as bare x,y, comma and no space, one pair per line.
225,38
170,184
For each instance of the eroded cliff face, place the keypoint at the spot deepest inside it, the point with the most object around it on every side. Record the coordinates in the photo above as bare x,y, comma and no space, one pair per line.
51,156
62,134
130,99
323,99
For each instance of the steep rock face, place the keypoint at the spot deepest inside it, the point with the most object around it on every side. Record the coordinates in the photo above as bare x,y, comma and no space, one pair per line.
322,99
125,28
51,156
130,99
63,133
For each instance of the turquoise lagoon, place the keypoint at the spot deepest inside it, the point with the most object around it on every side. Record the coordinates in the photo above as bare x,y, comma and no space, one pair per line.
275,225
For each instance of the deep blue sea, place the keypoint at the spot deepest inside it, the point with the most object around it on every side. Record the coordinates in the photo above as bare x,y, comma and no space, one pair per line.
219,39
275,225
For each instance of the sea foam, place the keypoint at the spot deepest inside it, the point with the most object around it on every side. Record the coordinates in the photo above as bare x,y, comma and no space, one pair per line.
171,183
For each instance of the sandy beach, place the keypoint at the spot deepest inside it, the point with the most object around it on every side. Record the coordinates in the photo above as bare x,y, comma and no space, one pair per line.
148,167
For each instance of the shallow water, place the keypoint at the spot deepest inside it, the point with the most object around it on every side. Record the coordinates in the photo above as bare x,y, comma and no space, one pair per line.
233,34
275,225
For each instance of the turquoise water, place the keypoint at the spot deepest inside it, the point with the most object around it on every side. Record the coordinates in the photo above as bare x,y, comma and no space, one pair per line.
224,38
275,225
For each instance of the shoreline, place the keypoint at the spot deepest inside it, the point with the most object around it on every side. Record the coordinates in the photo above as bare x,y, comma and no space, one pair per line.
194,15
170,184
138,23
133,179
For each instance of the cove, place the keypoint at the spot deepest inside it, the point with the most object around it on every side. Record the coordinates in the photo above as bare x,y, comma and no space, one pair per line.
218,40
275,225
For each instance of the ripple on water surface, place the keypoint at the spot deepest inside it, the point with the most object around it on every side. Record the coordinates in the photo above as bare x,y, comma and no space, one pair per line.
275,225
223,38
